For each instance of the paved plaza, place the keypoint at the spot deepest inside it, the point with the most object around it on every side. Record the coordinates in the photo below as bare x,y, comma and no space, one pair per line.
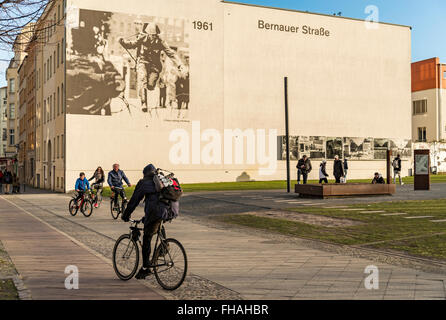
225,262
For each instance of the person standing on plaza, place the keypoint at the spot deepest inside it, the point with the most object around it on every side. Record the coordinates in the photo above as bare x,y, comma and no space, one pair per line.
338,169
299,166
15,183
345,169
396,164
303,168
323,172
7,176
1,181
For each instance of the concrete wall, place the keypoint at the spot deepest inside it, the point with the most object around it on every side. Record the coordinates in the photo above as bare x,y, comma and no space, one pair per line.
338,87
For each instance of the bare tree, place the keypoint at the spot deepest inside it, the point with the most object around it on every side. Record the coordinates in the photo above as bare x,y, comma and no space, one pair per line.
15,15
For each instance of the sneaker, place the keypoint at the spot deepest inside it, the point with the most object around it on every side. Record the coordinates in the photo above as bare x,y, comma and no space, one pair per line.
143,273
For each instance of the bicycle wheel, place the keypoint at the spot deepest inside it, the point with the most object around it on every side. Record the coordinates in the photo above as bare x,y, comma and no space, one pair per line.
170,264
125,257
114,210
87,208
72,207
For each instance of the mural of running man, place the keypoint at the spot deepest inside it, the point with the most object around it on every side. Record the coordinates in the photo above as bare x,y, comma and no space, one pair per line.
149,46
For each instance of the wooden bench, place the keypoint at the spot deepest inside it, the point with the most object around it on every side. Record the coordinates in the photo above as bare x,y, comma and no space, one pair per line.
322,191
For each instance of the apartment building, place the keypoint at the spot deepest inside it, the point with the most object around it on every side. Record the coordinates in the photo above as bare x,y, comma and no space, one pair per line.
207,68
3,118
429,101
49,98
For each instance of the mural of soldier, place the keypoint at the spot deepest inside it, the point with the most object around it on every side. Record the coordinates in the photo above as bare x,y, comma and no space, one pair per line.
95,80
149,46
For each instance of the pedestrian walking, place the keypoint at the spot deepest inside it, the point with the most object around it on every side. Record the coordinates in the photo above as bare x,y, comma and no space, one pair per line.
323,172
338,169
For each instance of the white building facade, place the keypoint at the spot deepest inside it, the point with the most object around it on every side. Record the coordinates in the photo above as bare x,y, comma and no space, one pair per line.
196,87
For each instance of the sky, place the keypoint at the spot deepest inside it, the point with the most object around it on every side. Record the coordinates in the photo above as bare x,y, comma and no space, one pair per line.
427,18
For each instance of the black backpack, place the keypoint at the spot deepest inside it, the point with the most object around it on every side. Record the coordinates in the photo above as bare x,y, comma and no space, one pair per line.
168,209
170,194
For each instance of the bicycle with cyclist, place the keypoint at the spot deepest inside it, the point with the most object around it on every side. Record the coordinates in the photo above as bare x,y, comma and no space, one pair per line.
81,200
146,189
97,186
114,180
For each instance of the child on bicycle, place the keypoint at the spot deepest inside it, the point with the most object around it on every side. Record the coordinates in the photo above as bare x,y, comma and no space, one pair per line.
82,185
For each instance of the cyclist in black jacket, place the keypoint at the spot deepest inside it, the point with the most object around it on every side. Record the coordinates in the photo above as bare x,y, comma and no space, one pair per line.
145,189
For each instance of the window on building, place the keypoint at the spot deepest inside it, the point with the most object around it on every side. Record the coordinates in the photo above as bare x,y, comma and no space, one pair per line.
51,108
62,147
47,69
62,53
419,107
58,54
58,13
11,85
55,22
58,101
58,147
48,110
422,134
11,137
51,66
62,98
4,135
54,61
57,184
11,111
54,105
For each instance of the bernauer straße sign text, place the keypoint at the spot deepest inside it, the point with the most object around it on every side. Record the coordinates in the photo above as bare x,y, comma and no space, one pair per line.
305,29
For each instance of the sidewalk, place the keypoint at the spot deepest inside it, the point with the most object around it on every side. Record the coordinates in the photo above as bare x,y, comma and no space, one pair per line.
41,254
248,262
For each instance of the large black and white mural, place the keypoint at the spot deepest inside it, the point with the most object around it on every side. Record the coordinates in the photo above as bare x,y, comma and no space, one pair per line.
128,63
317,147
